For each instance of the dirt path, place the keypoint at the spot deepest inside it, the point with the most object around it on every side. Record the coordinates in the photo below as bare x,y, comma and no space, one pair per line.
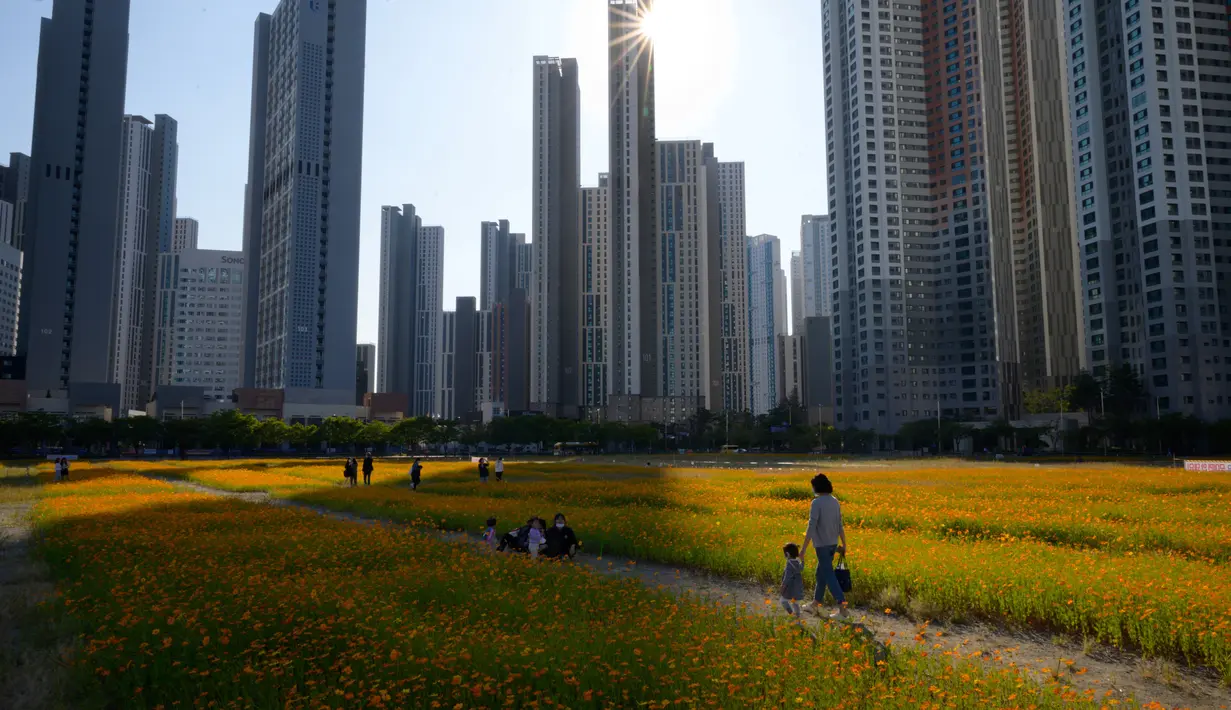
31,671
1110,672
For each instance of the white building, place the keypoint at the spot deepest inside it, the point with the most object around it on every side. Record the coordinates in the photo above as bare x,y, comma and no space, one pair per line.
733,232
767,317
816,247
595,312
10,297
429,312
446,368
185,236
690,275
200,320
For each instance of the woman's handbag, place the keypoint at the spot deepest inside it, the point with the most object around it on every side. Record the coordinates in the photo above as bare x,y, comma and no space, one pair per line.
843,574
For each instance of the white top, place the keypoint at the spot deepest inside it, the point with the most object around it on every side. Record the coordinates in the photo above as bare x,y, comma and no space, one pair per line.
499,467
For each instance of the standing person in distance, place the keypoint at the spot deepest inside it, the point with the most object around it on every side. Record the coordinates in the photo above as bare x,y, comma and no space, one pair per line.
416,471
826,534
499,469
482,470
64,468
352,471
367,468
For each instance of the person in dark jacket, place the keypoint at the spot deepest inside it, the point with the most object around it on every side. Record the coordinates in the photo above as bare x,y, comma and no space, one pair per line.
351,472
482,470
416,472
561,540
792,589
367,469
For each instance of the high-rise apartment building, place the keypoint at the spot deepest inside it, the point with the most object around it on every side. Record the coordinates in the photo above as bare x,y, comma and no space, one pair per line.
1033,239
15,190
199,329
733,237
792,367
497,263
634,196
459,361
301,233
446,367
411,304
10,297
524,273
365,369
690,298
185,235
767,318
1148,104
7,220
797,293
71,240
595,315
145,182
555,294
816,247
508,305
914,320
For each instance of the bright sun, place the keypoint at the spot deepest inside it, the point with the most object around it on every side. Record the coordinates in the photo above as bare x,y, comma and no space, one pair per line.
693,44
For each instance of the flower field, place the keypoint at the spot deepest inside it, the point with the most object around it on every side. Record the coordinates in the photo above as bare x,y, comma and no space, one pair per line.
184,599
1135,557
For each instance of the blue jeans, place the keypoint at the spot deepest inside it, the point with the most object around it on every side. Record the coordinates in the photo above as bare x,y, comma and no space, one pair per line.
825,576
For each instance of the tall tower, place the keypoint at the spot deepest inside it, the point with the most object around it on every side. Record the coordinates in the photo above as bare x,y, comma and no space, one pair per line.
131,256
411,295
733,237
555,286
15,189
302,207
633,180
158,239
185,235
817,267
767,319
797,293
67,327
1147,101
1034,245
595,315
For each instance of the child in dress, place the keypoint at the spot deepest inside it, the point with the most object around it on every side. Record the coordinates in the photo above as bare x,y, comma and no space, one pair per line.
792,580
536,537
489,537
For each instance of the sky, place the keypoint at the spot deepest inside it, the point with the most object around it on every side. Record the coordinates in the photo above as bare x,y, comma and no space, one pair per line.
447,108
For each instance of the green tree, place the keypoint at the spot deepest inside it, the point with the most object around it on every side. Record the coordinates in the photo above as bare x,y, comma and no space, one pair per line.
182,433
302,435
138,432
230,429
340,432
374,434
94,434
1059,399
1087,393
412,432
272,432
39,429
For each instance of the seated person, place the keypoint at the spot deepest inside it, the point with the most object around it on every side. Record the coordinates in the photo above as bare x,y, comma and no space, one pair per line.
561,541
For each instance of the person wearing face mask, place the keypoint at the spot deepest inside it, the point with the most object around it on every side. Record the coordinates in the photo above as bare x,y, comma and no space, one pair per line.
561,541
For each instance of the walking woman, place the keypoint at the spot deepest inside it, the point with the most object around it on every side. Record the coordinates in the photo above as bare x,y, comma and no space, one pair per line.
827,535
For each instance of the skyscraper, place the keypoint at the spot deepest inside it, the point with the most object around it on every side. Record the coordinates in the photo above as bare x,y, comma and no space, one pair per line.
302,205
185,236
595,316
815,247
75,159
158,239
411,304
633,180
555,287
797,293
15,190
1036,276
1148,106
508,307
136,254
767,317
914,319
10,297
689,326
365,364
734,243
497,263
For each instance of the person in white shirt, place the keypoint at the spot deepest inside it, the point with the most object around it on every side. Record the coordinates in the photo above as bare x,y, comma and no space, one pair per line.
499,469
826,534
